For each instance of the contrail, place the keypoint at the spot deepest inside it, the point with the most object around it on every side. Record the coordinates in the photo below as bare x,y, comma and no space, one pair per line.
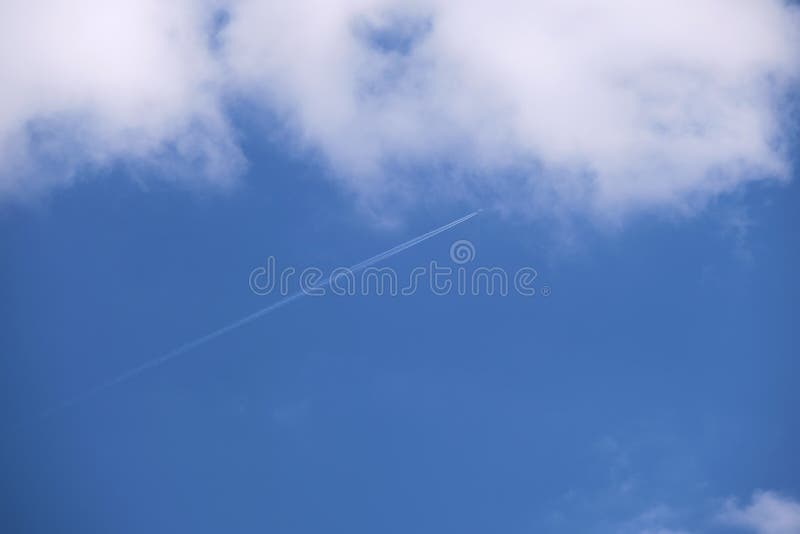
202,340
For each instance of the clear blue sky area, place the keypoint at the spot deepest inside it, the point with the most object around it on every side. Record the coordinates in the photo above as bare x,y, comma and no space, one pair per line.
660,373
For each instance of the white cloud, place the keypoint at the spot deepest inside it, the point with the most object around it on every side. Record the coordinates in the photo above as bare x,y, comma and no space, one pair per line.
587,104
605,107
768,513
93,82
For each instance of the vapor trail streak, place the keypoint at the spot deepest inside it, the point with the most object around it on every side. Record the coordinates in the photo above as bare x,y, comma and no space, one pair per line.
188,346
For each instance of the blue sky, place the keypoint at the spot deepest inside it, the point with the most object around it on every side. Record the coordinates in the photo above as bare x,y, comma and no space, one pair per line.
661,372
653,390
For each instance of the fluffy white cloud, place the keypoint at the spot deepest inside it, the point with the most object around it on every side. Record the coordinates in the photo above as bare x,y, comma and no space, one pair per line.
606,105
533,105
95,82
768,513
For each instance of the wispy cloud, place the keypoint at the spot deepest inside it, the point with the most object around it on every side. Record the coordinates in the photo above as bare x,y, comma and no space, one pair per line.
652,521
767,513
